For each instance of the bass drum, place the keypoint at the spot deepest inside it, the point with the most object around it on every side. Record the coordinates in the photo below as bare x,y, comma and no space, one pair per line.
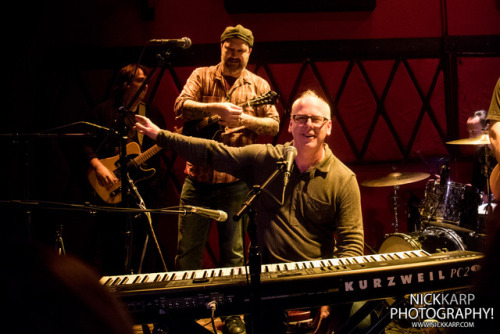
433,239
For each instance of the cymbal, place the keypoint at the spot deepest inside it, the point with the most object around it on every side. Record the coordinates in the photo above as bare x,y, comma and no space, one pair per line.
483,139
395,179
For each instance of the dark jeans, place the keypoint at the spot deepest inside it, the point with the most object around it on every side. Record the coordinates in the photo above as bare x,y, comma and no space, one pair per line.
194,229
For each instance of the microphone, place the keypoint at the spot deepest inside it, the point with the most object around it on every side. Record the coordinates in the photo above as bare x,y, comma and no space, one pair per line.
218,215
184,42
290,153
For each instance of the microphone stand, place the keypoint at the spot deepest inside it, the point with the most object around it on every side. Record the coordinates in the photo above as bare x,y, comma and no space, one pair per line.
124,111
142,205
254,254
123,160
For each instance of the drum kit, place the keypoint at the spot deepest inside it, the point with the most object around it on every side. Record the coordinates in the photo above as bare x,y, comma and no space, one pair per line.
452,215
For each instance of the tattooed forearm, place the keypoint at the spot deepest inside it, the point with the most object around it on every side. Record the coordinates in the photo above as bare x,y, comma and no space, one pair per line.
260,125
192,110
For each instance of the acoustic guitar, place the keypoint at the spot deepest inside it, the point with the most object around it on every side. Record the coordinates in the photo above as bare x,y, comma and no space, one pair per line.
112,194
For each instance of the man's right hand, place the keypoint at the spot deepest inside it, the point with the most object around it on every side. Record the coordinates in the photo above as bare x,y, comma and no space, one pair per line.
228,112
146,127
104,176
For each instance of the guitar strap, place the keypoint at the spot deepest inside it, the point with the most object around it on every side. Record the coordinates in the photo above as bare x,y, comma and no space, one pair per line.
141,110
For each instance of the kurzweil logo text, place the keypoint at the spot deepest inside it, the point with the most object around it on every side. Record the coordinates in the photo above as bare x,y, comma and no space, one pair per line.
409,278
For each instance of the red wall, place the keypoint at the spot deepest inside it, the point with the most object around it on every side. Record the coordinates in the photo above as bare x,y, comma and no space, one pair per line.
119,23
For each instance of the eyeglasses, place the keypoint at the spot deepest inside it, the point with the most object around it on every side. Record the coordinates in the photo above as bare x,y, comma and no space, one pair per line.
315,120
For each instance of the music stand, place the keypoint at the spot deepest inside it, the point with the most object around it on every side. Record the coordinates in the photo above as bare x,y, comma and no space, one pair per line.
71,131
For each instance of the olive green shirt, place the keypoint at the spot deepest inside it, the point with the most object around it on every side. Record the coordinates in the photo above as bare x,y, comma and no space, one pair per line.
494,110
319,204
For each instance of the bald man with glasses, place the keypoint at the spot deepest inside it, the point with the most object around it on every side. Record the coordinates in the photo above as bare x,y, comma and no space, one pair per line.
318,215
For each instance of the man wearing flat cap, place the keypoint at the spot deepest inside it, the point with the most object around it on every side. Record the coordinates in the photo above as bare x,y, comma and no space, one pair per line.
214,95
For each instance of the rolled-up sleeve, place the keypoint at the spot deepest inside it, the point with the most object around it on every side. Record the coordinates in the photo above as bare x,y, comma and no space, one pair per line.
192,91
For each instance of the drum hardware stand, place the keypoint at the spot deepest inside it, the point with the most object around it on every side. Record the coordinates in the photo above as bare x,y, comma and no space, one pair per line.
395,179
486,174
395,203
483,140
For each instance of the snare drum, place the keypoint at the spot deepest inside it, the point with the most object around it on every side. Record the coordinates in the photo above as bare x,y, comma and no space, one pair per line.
451,203
432,240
